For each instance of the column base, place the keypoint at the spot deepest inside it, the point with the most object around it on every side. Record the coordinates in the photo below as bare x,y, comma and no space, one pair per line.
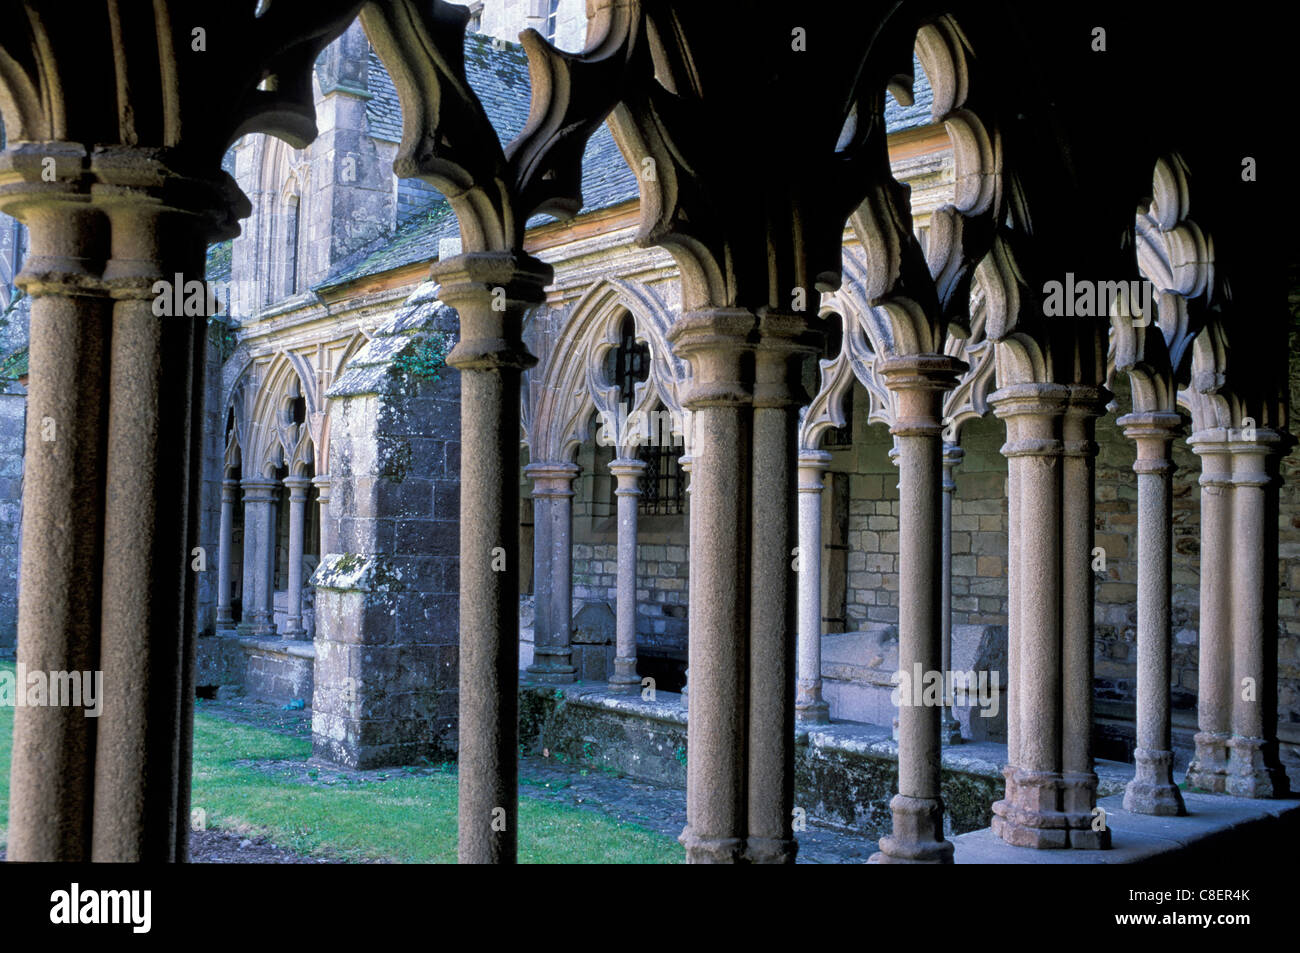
552,674
1209,767
1152,790
918,833
1029,816
1253,769
298,634
1079,800
625,680
769,850
711,850
812,711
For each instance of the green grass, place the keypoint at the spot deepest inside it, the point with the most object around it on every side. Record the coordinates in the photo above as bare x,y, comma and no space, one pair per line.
254,781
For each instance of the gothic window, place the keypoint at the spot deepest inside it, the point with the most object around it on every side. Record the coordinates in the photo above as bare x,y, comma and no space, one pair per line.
629,364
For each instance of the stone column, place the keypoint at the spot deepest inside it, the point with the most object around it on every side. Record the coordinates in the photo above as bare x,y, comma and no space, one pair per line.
715,342
949,727
687,462
1152,790
553,572
259,526
1078,584
919,383
627,472
153,439
784,340
51,781
1253,766
491,291
1215,689
1030,814
322,484
229,496
297,507
809,706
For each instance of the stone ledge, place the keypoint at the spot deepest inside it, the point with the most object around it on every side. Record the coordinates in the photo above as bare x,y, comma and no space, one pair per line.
1214,823
667,706
983,758
846,773
294,647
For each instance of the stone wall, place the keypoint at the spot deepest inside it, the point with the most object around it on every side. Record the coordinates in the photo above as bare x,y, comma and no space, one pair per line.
386,601
662,572
508,18
13,416
1116,535
1288,606
870,526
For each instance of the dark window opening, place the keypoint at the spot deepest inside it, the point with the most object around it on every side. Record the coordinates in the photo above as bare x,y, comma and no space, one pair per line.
552,18
629,363
838,436
662,484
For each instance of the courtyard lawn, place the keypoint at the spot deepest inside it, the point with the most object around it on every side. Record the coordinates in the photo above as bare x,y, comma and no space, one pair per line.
250,780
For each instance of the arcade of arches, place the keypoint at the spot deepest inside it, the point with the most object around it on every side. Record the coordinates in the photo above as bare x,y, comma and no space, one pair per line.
797,416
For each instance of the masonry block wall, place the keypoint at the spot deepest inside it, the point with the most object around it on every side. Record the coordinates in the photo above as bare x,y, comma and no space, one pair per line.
662,558
979,536
386,604
13,417
1116,599
1288,606
662,570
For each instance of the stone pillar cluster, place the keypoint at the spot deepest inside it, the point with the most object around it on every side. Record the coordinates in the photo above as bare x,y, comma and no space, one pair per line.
111,497
1051,787
1236,741
741,729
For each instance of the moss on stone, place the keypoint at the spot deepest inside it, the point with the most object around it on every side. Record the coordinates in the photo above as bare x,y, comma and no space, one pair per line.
397,455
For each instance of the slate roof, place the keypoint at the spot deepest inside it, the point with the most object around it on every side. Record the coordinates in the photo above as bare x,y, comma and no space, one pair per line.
218,264
499,75
899,117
